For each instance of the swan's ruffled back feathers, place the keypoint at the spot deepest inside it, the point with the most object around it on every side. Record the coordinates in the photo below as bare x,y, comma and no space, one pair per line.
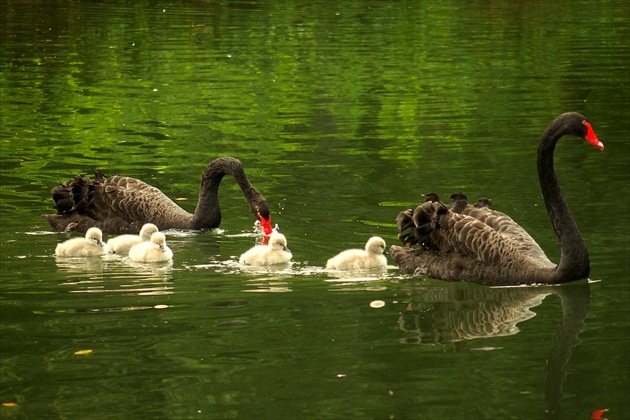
511,231
461,241
477,240
136,201
116,204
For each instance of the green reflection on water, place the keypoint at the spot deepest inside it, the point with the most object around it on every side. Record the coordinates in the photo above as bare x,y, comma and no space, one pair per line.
343,114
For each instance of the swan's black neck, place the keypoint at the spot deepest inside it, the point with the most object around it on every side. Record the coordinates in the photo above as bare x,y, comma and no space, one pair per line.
574,261
208,212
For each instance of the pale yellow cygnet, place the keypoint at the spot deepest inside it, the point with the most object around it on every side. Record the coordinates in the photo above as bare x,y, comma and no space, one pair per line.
92,244
155,250
356,259
274,253
123,243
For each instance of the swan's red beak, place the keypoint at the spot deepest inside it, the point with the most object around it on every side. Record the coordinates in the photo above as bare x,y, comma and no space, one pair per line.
266,224
591,137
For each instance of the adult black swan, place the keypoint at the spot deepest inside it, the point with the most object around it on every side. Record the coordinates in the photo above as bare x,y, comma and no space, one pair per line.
466,243
119,204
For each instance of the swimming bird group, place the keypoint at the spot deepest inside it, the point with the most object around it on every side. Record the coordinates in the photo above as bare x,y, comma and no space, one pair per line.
149,246
276,252
453,242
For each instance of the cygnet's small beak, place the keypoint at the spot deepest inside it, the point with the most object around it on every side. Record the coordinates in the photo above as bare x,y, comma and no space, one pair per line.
284,248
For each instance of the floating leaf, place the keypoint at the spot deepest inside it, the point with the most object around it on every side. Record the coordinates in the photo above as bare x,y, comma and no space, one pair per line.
83,352
9,404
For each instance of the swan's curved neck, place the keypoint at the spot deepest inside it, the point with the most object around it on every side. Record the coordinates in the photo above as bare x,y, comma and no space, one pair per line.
208,213
574,261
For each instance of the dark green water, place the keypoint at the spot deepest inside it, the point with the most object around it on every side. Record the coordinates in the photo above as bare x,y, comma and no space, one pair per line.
343,113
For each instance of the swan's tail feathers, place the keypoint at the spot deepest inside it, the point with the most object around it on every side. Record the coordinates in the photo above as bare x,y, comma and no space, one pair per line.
72,196
415,226
458,197
407,228
438,212
77,202
431,198
423,213
70,199
76,195
404,220
460,202
483,203
417,236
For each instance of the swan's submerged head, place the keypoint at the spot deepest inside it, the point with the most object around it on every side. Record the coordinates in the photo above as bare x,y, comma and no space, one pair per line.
375,245
95,234
264,215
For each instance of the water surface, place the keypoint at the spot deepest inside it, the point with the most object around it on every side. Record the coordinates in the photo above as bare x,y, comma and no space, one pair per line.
342,114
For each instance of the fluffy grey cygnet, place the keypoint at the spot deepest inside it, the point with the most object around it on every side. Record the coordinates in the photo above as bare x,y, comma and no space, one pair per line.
357,259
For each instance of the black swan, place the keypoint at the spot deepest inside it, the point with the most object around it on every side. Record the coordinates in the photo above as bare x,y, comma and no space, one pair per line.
461,242
120,204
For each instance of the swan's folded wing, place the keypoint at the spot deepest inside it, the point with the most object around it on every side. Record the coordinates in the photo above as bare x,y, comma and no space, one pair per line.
510,230
476,240
132,200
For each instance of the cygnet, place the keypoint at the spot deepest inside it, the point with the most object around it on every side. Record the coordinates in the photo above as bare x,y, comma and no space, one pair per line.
357,259
155,250
123,243
274,253
89,246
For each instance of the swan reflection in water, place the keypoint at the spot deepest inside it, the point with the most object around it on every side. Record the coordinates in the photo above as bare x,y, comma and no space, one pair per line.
459,313
438,315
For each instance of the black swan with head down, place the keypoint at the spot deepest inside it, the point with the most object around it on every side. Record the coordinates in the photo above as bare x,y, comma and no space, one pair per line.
119,204
461,242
